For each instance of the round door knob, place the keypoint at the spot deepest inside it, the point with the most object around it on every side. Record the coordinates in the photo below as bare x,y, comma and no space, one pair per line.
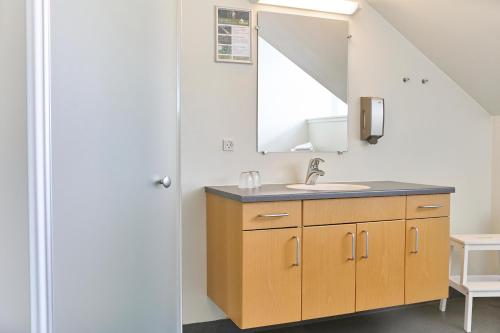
166,182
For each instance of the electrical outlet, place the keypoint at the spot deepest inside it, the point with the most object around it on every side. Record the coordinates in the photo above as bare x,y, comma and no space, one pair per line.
227,145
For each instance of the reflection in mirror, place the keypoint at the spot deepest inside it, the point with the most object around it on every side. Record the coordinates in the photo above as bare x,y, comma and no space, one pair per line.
302,100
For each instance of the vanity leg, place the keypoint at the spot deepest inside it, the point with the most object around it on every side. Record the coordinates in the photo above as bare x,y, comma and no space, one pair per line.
442,305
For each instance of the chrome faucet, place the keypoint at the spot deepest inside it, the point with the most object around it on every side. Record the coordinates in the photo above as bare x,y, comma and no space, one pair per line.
313,172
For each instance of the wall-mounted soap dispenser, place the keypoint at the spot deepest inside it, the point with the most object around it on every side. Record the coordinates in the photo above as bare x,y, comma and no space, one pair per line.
372,119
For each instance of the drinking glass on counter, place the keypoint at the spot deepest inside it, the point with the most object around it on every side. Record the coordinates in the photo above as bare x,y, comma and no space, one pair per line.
250,179
256,179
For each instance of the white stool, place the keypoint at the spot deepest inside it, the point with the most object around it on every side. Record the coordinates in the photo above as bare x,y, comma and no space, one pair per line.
473,285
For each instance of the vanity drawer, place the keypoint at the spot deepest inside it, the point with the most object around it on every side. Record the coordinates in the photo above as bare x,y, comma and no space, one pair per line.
352,210
270,215
425,206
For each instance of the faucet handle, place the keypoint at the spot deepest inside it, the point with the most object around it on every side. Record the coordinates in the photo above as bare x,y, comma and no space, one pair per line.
316,161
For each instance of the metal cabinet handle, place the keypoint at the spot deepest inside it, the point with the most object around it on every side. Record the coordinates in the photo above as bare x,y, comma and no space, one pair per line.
417,240
273,215
297,251
367,244
430,206
353,246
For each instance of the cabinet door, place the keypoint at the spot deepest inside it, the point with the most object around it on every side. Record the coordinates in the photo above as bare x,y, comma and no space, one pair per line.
380,265
427,255
329,271
271,285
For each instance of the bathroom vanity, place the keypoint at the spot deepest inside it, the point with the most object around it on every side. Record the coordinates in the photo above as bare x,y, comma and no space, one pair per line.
279,255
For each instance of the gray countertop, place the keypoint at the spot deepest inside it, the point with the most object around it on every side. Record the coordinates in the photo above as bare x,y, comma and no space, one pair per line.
279,192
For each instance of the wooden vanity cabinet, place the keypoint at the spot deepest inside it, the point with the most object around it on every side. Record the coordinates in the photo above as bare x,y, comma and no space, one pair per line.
279,262
427,206
427,248
427,259
329,271
380,265
271,279
352,210
271,215
254,260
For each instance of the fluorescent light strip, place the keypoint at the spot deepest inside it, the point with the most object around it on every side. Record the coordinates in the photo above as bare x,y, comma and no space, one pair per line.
330,6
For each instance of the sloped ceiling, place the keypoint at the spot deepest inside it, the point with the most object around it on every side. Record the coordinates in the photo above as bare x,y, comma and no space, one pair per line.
462,37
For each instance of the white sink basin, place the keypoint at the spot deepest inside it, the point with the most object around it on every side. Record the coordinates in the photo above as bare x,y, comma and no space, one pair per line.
329,187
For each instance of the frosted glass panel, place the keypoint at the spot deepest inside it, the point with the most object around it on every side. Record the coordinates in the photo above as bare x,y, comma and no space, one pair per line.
115,260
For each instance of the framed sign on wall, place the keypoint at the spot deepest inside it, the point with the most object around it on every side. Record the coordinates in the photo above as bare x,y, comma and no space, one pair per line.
233,35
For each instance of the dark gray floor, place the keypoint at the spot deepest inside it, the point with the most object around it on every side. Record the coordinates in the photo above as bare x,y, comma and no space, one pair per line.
424,318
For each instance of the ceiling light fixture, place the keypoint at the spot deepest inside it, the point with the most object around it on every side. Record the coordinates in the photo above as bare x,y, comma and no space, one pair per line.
330,6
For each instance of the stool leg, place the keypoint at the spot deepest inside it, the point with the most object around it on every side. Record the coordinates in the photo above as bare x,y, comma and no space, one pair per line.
442,305
465,265
468,313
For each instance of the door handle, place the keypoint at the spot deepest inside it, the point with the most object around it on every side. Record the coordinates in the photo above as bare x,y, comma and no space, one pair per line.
417,240
166,182
297,251
353,246
367,244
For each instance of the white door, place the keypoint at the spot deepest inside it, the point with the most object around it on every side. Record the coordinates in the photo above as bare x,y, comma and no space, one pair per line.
116,266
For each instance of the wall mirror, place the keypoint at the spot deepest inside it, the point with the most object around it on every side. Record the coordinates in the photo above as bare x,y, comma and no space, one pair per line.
302,83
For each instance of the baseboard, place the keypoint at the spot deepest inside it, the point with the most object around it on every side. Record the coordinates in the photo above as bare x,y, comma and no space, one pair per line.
218,326
227,326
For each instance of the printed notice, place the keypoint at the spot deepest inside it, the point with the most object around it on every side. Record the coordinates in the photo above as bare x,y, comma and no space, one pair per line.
234,35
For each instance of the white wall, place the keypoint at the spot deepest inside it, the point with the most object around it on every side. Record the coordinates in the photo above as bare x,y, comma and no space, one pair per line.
495,201
14,246
463,50
435,133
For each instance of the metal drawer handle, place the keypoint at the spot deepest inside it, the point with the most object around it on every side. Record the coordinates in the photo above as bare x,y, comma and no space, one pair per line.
297,251
273,215
417,240
353,246
367,244
431,206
